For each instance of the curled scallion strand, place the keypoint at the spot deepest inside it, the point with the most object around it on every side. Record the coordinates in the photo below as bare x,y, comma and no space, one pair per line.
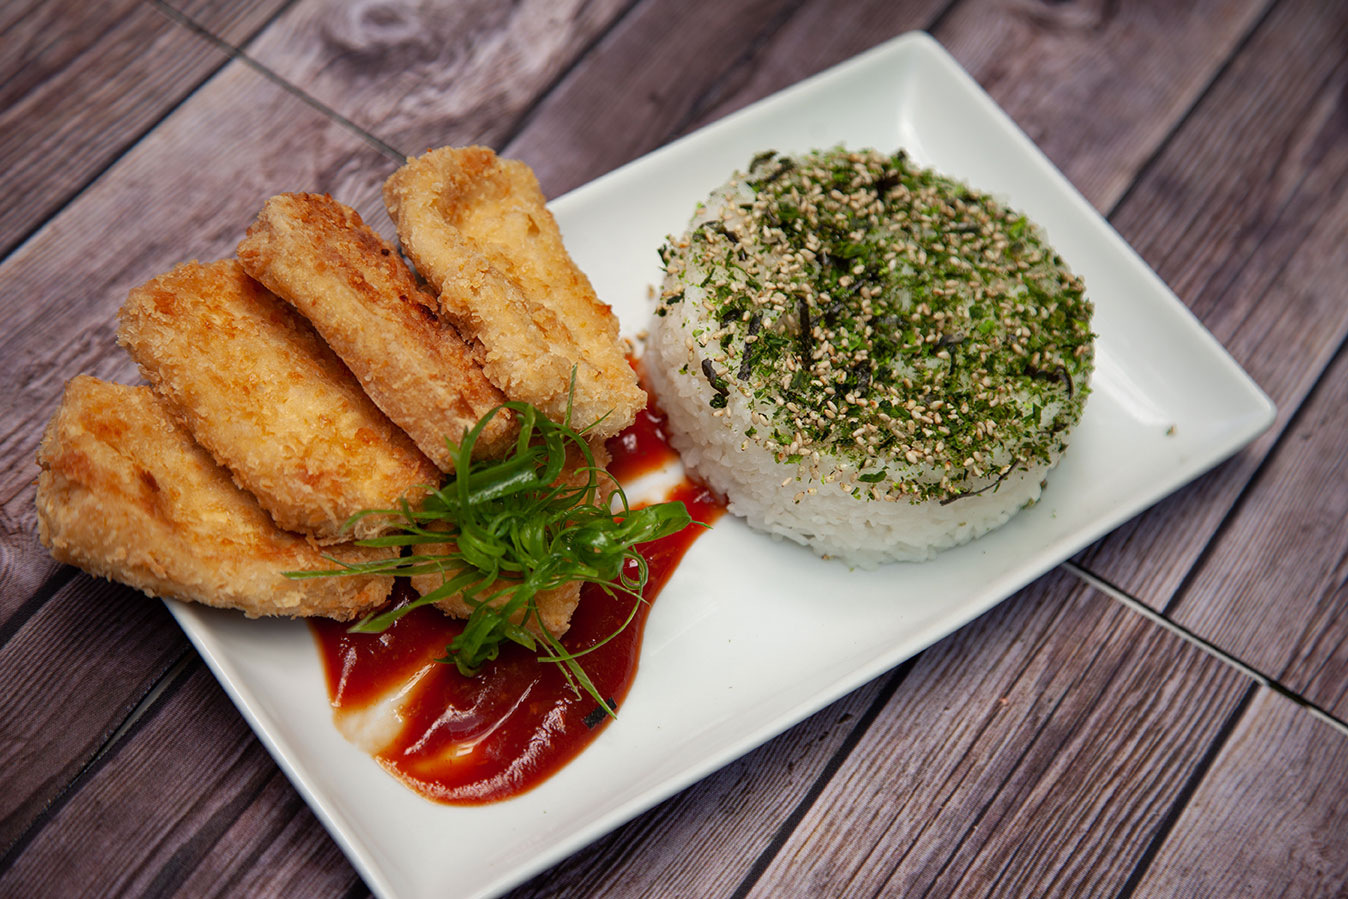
505,530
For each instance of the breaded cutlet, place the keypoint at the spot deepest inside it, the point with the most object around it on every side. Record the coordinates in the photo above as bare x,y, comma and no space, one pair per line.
260,390
478,228
319,256
126,493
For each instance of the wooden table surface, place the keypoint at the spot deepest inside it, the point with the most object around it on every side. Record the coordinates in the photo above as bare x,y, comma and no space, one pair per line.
1163,715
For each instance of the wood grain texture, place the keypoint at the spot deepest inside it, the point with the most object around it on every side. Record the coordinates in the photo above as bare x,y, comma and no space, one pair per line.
64,694
1036,752
1268,819
1097,85
79,83
421,74
1047,749
1243,213
668,68
233,21
1273,591
188,805
704,841
1054,67
187,191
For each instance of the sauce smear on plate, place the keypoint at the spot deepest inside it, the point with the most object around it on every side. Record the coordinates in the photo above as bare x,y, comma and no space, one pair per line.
472,740
642,448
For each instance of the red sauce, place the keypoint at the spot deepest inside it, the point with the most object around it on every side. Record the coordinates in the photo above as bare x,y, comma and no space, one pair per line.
473,740
642,448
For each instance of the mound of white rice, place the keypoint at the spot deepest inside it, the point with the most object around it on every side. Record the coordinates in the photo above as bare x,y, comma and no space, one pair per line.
867,357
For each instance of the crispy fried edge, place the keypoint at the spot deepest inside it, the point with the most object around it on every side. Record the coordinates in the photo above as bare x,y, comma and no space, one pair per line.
205,336
319,255
521,298
123,491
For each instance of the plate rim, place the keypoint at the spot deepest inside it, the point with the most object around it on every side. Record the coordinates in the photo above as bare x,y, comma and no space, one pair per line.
1261,413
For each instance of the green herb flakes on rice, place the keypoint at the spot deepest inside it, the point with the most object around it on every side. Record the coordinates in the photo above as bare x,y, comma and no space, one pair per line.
866,356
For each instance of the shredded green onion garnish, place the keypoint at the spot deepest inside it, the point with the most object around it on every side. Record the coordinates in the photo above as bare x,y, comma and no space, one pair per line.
506,530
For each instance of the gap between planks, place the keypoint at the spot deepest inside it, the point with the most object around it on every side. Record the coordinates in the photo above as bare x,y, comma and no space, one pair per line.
1185,796
171,676
1177,127
111,162
238,54
147,702
1255,476
822,780
236,51
706,100
167,680
527,114
1211,649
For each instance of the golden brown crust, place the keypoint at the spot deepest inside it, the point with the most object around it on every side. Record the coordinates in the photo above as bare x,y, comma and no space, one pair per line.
258,388
477,227
353,287
125,493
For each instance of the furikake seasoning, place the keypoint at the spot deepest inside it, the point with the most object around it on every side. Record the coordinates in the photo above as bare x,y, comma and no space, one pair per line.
873,311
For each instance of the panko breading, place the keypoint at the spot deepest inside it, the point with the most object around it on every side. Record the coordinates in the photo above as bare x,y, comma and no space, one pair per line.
478,229
555,606
353,287
253,383
125,493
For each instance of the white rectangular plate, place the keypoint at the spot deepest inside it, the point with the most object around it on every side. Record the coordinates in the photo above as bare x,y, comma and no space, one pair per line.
762,632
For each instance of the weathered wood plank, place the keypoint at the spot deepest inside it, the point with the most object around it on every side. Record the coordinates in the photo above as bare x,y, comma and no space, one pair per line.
1244,214
703,841
1268,819
79,83
191,805
1039,750
63,698
430,75
233,21
189,190
1274,590
1025,791
1053,67
654,77
1097,85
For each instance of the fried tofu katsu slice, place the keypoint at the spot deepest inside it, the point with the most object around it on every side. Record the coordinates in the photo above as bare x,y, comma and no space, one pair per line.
478,229
260,390
126,493
319,256
555,606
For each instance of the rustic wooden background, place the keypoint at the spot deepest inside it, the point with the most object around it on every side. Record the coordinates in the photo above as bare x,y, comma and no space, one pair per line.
1165,715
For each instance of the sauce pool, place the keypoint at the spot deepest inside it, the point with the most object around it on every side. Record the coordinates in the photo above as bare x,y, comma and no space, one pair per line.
642,448
473,740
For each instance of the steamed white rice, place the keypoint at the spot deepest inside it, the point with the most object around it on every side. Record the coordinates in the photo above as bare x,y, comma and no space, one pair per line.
774,497
898,496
